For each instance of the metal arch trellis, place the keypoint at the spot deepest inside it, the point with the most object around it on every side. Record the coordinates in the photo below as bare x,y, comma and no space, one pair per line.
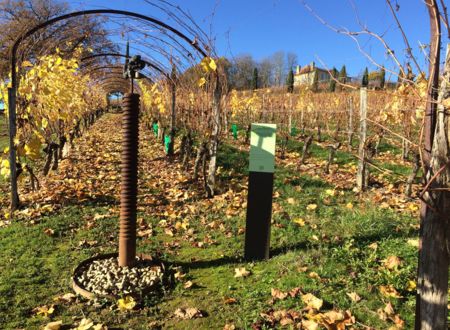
12,91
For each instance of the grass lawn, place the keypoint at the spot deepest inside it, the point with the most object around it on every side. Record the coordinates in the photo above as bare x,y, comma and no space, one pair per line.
326,240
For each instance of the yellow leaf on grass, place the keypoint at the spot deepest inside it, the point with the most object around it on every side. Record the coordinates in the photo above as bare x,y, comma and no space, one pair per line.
310,325
126,303
311,207
312,301
291,201
392,262
44,310
330,192
349,206
413,242
53,325
411,286
241,272
354,296
299,221
389,291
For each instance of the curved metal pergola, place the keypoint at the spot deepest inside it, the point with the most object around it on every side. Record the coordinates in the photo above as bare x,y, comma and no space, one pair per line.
12,91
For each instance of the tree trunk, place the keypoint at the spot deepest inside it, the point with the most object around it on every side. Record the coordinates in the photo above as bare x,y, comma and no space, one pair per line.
432,283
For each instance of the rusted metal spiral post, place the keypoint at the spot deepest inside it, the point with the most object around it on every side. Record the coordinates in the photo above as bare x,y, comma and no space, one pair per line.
129,176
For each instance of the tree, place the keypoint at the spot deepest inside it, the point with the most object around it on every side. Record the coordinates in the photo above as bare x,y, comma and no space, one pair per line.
278,66
334,74
343,75
16,16
432,282
265,72
255,79
382,77
241,73
291,60
290,81
365,78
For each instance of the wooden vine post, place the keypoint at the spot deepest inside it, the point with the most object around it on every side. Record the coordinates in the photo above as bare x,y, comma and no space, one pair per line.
361,176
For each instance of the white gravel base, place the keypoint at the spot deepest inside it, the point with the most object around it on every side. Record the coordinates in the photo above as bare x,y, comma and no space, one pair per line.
105,277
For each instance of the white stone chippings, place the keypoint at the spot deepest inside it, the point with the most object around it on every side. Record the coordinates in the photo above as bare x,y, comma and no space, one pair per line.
106,277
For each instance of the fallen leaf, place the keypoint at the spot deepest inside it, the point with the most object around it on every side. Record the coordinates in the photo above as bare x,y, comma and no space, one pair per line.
312,301
126,303
230,301
67,298
278,294
188,313
392,262
310,325
49,232
373,246
389,309
44,310
311,207
85,324
354,296
389,291
299,221
291,201
53,325
411,286
349,206
188,285
241,272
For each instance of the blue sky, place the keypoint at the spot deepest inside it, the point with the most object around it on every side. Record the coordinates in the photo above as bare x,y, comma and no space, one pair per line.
262,27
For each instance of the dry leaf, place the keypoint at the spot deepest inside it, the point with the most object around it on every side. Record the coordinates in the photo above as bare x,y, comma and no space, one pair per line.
53,325
44,310
392,262
241,272
311,207
299,221
310,325
188,313
312,301
230,301
126,303
411,286
389,291
278,294
389,309
188,285
67,298
354,296
49,231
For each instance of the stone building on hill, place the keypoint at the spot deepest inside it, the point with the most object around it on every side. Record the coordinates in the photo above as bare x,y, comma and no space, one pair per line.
305,75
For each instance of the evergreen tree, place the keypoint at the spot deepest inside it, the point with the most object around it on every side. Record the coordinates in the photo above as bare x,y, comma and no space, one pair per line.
343,75
382,77
255,79
365,78
290,81
334,74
